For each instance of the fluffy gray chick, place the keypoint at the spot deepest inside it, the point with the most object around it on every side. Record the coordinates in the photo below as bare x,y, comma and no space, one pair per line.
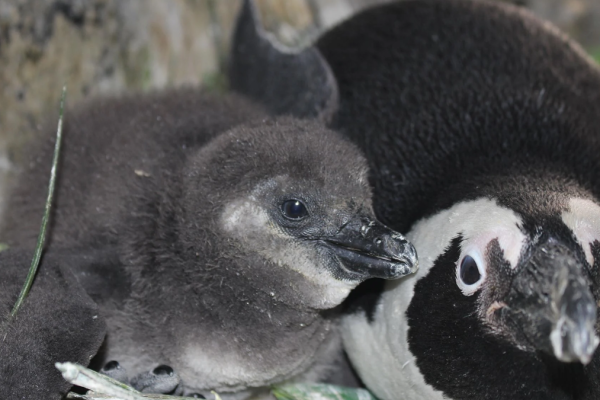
215,248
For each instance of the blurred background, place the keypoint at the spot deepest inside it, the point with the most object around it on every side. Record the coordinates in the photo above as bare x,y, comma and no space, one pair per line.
100,47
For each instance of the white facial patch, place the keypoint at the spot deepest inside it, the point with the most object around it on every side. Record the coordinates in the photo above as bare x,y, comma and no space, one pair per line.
583,218
248,222
479,222
245,216
379,349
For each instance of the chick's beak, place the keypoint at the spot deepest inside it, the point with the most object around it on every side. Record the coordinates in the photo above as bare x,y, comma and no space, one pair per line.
550,303
368,249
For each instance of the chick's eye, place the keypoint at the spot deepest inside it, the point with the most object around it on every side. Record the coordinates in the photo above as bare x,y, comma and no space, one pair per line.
294,210
469,272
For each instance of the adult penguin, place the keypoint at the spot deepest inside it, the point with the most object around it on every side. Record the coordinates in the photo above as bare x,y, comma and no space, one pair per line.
211,244
481,125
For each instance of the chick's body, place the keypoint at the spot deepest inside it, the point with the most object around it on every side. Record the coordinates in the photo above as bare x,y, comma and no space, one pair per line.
212,247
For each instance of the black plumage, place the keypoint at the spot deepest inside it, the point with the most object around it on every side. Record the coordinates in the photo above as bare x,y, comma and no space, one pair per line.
481,127
208,238
486,82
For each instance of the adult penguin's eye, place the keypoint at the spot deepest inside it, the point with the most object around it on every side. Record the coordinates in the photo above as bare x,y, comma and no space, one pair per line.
469,272
294,210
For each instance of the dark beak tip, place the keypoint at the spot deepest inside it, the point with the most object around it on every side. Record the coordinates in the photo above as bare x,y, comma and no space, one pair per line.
375,252
415,266
406,261
404,268
577,345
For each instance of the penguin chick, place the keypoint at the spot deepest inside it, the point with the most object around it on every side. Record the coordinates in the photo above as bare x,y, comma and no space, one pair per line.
480,124
220,249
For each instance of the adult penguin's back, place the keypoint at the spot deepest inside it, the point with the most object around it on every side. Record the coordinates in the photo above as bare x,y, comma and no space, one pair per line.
448,82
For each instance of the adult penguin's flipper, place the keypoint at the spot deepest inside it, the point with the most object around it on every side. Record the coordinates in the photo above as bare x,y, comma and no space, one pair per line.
284,81
57,322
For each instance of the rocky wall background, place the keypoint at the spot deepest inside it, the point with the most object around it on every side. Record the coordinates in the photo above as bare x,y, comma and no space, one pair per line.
100,47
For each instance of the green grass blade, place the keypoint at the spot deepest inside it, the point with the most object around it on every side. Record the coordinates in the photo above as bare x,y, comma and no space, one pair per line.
42,236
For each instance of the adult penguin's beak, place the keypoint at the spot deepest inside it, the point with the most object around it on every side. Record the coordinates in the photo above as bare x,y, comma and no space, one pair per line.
550,303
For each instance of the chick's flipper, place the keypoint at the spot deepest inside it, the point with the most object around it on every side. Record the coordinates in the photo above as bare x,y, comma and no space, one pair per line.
57,322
